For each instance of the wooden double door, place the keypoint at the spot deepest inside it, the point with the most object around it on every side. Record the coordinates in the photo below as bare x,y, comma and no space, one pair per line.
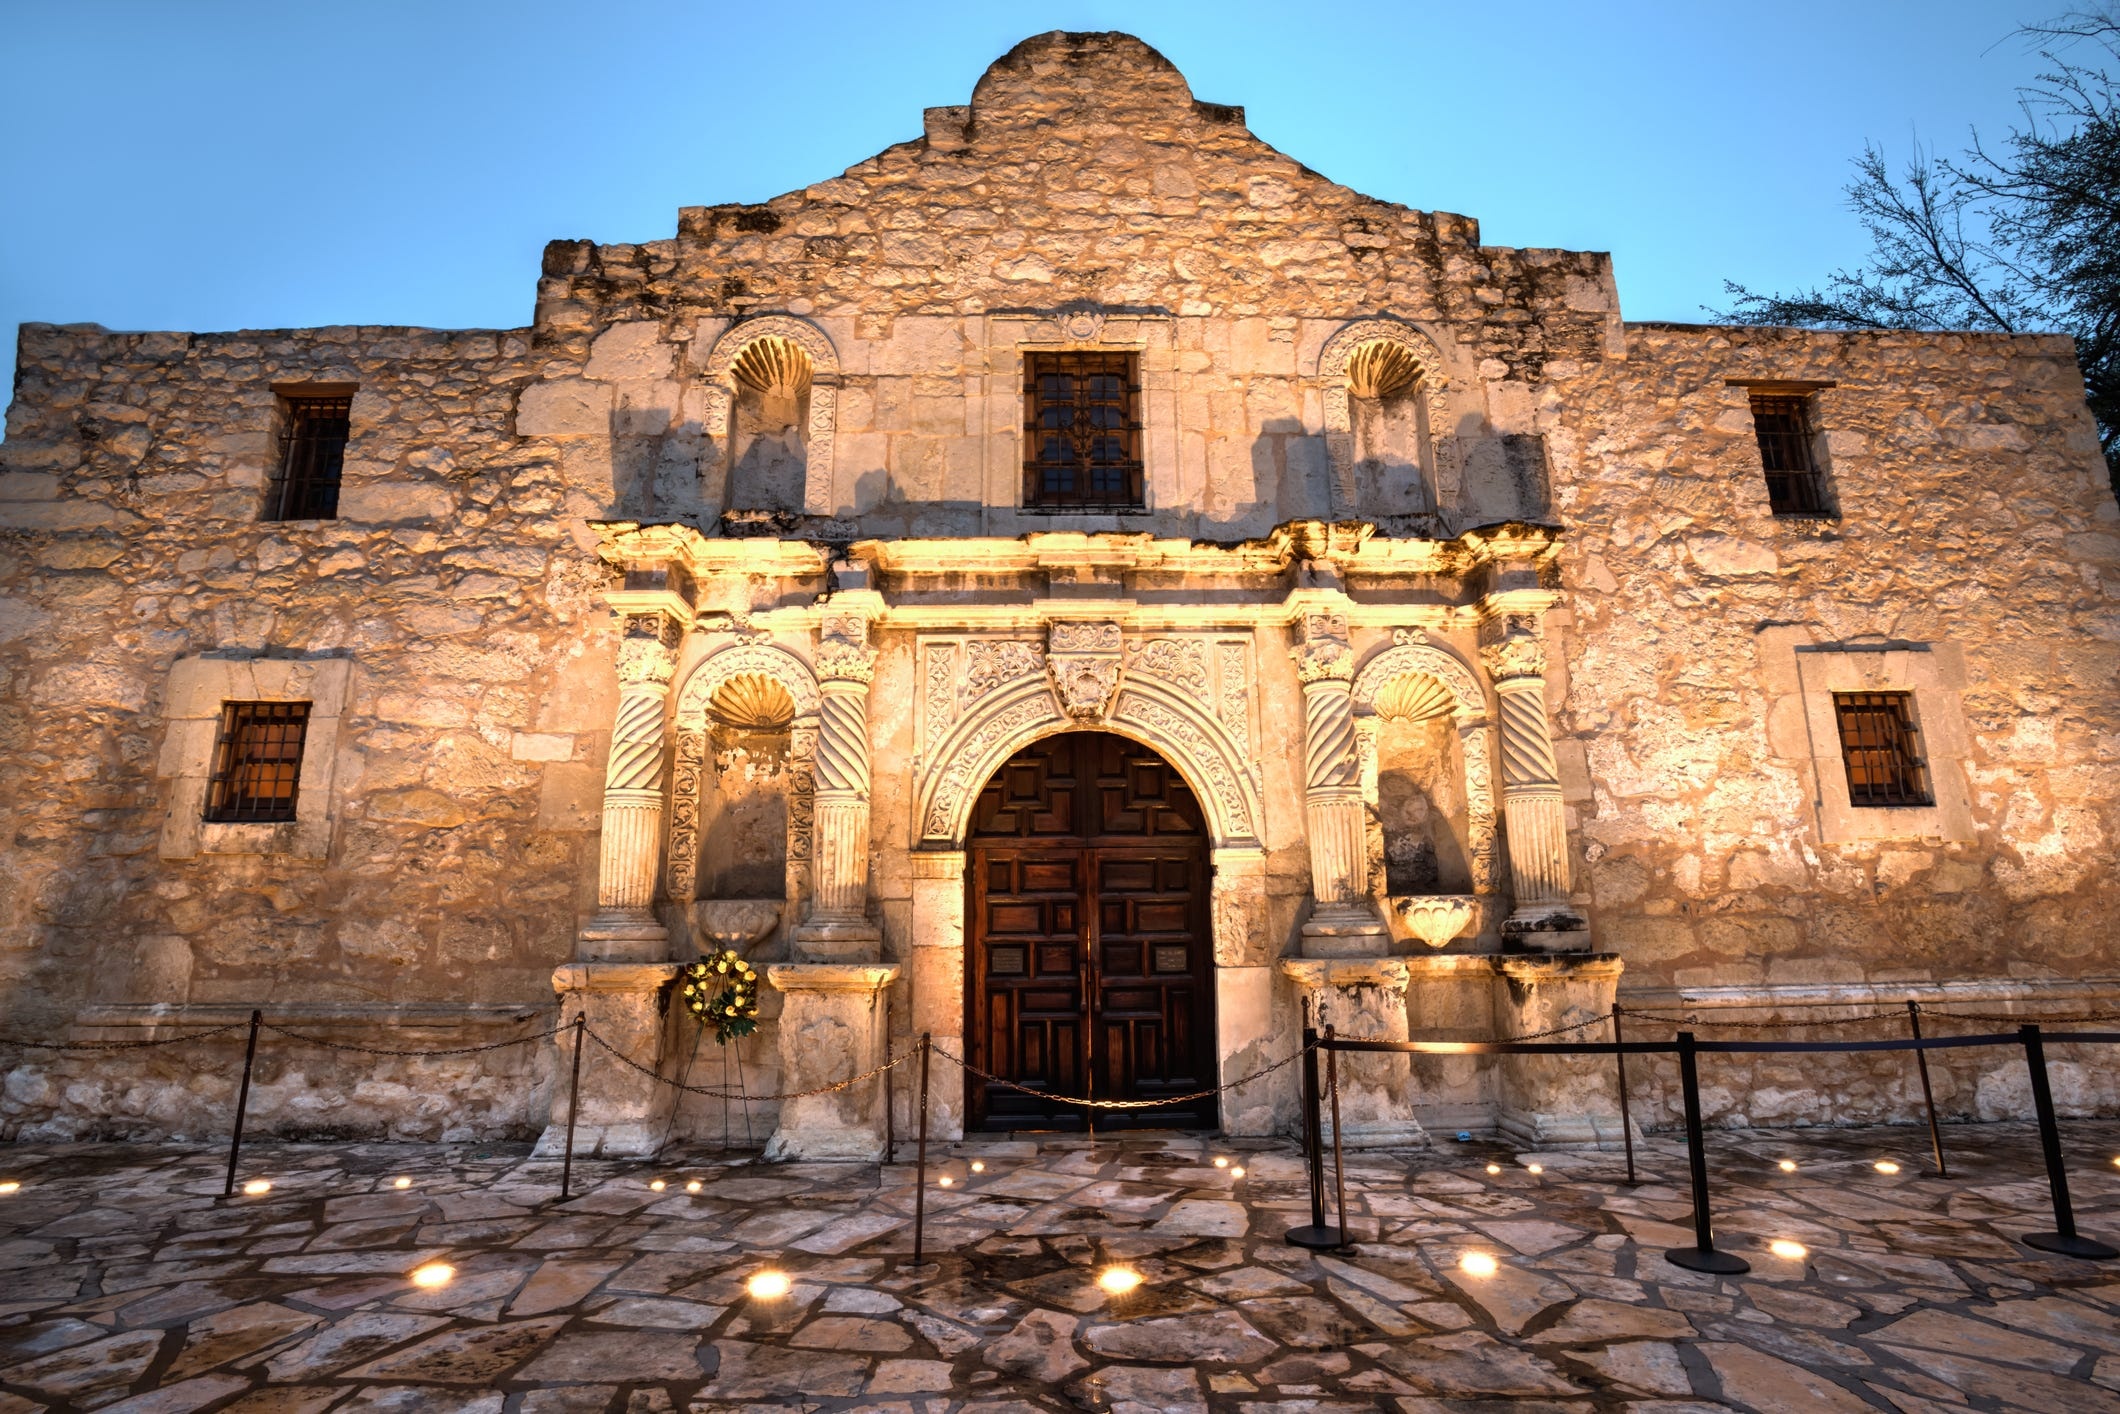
1089,961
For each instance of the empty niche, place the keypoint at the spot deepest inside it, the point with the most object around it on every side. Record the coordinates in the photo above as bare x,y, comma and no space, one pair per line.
768,451
1388,417
1420,824
743,805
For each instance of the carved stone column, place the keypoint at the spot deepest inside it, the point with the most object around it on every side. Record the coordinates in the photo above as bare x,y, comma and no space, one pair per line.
1543,920
1336,819
838,928
625,928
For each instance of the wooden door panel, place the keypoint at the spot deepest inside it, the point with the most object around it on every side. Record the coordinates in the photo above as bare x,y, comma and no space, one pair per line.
1090,953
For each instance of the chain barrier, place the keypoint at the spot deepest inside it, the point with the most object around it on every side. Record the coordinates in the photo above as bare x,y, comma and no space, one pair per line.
1563,1030
2018,1019
1086,1104
1686,1019
123,1045
383,1051
714,1093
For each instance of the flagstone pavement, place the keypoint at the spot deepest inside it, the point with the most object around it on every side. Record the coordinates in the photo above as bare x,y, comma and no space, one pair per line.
135,1287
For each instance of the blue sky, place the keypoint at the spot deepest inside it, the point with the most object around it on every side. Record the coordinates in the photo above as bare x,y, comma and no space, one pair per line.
207,165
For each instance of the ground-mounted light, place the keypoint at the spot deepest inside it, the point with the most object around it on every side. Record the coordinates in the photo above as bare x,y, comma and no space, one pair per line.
1783,1247
1117,1281
432,1275
945,1180
1534,1168
1221,1163
768,1286
1478,1264
1236,1172
257,1187
978,1166
693,1185
657,1185
401,1183
1885,1166
1787,1165
1494,1168
10,1186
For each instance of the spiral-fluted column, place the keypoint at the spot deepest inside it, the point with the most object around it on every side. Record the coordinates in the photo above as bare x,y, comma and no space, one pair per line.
625,928
1537,828
838,927
1335,814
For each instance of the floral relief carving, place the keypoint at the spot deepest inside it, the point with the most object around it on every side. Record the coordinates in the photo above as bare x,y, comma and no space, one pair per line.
957,779
1181,662
990,664
1234,703
938,688
647,649
1164,725
682,873
1084,661
1513,646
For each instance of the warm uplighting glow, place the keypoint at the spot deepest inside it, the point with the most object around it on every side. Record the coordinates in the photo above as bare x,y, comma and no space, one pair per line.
401,1183
257,1186
1478,1264
657,1184
1221,1163
1535,1168
945,1180
1236,1173
433,1274
10,1186
768,1286
1494,1168
1794,1251
1788,1165
693,1186
1119,1280
978,1166
1886,1166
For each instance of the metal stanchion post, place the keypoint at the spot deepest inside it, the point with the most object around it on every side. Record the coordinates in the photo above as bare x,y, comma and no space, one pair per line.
927,1046
235,1143
890,1130
1316,1236
1701,1256
1928,1095
1626,1121
574,1104
2064,1239
1339,1167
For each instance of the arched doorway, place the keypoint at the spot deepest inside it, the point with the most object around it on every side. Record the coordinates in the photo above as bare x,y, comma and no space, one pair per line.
1089,958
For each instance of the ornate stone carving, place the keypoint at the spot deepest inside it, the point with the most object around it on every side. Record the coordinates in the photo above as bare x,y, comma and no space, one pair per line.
681,873
1323,652
838,926
1476,746
938,690
1512,646
990,664
742,658
1334,377
1234,705
845,662
1411,657
720,377
1084,661
1082,323
1181,662
647,649
957,773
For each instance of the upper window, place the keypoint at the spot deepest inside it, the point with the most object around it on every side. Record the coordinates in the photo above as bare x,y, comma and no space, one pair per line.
313,434
1881,748
1783,425
257,761
1082,433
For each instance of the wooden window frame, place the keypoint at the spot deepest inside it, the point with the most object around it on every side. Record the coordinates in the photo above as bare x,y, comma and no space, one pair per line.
1880,749
1103,483
258,744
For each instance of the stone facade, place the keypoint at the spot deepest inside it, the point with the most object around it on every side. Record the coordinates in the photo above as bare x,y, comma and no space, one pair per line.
701,611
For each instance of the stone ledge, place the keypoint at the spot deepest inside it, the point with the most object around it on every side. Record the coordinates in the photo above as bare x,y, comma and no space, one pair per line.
2036,991
354,1014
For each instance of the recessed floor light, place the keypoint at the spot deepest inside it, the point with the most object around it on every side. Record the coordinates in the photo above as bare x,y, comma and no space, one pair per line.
1886,1166
433,1274
1494,1168
401,1183
657,1184
257,1186
11,1186
945,1180
693,1185
1535,1168
1221,1163
1118,1280
1794,1251
1478,1264
768,1286
978,1167
1788,1166
1236,1172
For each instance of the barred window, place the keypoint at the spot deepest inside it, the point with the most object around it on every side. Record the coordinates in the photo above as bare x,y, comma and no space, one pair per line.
313,434
1881,748
1082,433
1783,426
257,761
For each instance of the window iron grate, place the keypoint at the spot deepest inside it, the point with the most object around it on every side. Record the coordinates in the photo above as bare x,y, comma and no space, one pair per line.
1783,426
257,762
1082,432
1881,747
312,457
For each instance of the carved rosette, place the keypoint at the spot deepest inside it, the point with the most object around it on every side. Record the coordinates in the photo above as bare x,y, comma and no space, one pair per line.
1084,660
